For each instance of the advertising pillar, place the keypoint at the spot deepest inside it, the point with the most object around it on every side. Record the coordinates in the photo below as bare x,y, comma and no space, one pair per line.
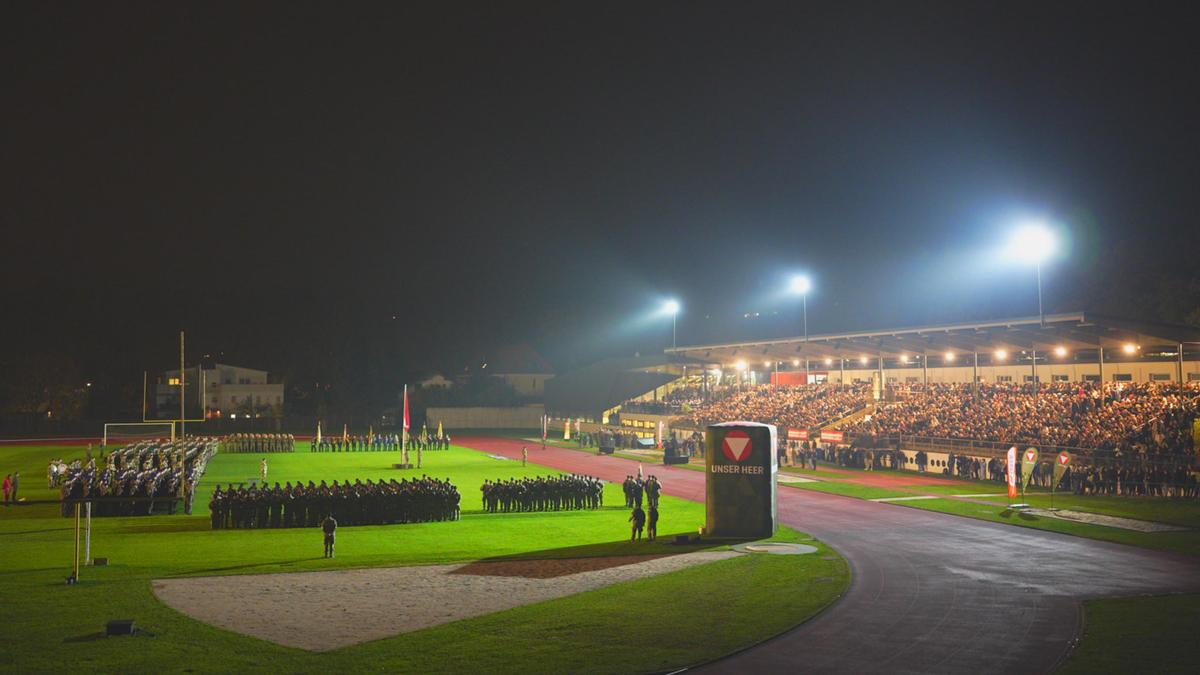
741,466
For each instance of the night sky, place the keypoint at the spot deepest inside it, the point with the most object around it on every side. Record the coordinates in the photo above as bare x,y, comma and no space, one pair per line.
281,180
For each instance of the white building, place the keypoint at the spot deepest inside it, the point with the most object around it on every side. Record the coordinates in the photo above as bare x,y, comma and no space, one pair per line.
229,391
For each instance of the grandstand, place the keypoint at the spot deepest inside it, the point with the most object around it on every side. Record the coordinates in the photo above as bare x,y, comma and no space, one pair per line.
1072,347
1110,391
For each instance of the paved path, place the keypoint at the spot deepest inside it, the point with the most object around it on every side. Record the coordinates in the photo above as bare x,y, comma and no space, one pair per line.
931,592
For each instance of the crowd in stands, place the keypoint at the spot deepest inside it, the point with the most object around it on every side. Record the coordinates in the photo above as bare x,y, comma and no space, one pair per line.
650,407
798,407
680,399
542,493
1146,419
135,479
258,443
360,503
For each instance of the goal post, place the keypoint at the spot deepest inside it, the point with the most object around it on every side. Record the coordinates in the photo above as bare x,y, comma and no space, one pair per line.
131,432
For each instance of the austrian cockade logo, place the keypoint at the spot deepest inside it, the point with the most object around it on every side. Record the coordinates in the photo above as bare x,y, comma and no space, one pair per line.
737,445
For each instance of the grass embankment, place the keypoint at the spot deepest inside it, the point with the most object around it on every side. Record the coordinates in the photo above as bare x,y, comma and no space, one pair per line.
658,623
1135,635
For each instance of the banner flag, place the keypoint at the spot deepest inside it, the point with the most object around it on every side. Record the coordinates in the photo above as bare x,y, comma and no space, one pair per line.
440,434
345,432
1012,472
318,431
1029,462
407,420
658,436
1060,466
567,430
545,423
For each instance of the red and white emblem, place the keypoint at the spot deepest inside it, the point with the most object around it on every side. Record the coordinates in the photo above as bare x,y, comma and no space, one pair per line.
737,445
1030,455
1064,458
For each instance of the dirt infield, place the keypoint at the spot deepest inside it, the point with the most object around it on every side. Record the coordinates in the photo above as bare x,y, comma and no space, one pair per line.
321,611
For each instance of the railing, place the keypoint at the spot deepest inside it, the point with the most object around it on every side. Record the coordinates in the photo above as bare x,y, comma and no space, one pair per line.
998,449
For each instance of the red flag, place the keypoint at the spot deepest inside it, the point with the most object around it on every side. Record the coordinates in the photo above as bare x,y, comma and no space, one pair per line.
407,422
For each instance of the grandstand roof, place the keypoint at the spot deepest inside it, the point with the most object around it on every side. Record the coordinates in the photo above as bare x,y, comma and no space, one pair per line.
1075,331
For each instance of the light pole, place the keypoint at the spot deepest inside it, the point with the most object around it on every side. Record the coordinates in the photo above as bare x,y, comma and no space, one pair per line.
1034,242
672,307
802,284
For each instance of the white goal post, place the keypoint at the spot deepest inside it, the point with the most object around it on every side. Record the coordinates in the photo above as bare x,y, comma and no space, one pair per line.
126,432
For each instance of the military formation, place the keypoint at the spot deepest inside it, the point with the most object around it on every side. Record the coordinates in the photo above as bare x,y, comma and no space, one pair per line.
381,443
258,443
543,493
141,479
419,500
427,441
369,443
638,489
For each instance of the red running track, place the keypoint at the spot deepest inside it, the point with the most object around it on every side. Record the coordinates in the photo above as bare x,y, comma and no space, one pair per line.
931,592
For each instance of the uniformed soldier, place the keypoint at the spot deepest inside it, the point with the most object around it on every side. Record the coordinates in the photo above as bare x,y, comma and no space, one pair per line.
329,527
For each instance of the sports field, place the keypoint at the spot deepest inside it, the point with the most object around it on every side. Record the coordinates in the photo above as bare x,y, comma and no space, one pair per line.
652,624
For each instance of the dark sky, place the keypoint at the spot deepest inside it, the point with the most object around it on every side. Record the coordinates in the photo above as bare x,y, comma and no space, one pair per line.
282,179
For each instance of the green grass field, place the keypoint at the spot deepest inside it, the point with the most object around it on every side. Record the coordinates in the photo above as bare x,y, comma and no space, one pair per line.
1137,635
653,624
1186,513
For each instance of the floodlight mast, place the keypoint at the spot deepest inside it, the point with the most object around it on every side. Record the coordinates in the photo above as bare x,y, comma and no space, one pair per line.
1035,243
802,284
672,308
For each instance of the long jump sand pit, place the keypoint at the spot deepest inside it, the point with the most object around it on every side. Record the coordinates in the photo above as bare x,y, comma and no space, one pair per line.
320,611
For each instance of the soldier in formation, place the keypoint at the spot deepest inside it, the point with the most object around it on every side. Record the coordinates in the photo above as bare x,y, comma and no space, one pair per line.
543,493
139,479
428,442
367,443
259,443
634,489
419,500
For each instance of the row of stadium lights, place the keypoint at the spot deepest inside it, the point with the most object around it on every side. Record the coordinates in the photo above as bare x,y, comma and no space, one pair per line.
1000,355
1033,242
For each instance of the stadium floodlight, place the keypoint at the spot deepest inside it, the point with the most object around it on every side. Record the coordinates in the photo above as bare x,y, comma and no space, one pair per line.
863,360
766,364
740,365
1033,242
904,358
1130,348
1001,355
795,363
672,307
949,356
801,285
829,362
1060,351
